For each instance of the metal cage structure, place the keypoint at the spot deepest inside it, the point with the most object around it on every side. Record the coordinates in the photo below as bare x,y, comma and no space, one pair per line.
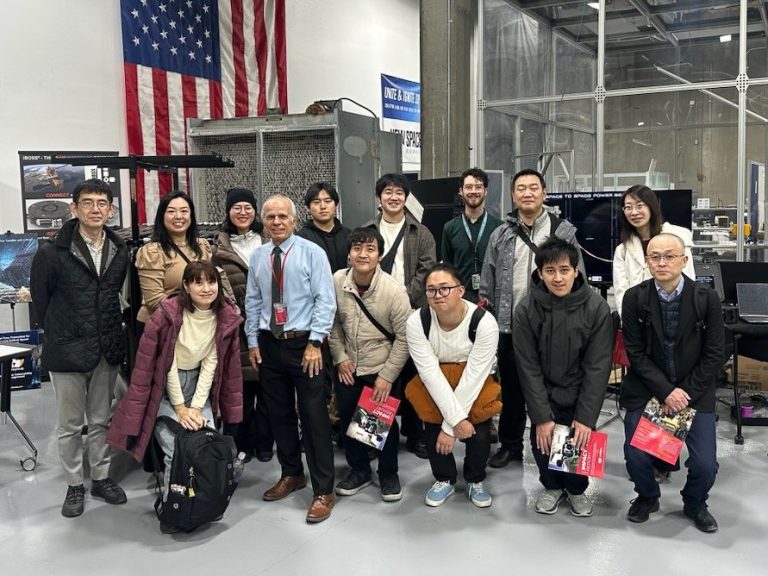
285,154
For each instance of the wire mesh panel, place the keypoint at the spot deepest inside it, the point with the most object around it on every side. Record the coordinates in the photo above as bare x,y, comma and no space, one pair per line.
211,184
293,159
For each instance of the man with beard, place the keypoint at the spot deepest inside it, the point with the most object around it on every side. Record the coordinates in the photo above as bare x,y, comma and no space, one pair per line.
465,238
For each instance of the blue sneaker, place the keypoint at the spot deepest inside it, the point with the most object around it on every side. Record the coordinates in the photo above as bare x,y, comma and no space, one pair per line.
478,495
439,493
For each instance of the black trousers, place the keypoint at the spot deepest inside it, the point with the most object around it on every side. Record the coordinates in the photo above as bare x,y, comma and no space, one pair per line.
356,452
512,418
554,479
254,432
413,427
478,448
285,385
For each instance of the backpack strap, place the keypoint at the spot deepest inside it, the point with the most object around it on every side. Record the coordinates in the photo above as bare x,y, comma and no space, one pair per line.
700,304
554,223
477,315
172,424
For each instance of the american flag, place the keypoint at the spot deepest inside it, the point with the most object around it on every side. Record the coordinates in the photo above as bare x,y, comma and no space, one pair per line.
196,59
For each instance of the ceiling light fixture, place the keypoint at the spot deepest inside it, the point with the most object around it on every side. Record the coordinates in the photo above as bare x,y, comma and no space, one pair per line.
641,123
595,5
725,38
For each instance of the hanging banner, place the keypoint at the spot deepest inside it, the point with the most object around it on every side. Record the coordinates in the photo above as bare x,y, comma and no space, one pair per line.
401,113
47,182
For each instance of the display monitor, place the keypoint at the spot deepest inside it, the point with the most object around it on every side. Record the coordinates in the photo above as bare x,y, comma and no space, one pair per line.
596,217
733,273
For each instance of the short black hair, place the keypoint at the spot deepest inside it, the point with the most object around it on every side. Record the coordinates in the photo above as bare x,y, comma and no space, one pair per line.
528,172
94,186
554,249
448,269
314,191
195,271
365,235
397,180
475,173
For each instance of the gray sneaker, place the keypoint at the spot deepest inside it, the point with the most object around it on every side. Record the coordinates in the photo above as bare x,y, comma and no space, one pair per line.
581,506
74,503
549,501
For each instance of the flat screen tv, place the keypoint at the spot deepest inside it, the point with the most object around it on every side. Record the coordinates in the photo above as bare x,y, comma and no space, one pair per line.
596,217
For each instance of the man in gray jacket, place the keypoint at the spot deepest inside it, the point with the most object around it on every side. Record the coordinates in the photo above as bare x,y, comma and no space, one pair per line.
563,339
504,282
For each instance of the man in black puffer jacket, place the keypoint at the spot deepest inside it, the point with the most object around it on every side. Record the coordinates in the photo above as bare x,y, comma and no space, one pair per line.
563,334
75,283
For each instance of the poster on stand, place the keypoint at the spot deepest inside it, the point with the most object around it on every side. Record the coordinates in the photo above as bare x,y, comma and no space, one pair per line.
47,182
25,371
401,113
16,254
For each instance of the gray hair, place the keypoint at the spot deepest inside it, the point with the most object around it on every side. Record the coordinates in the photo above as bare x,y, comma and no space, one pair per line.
294,213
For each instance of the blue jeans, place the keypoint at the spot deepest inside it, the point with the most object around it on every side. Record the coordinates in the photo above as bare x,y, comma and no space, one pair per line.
701,463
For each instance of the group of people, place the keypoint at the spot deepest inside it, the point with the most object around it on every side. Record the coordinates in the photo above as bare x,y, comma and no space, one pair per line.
258,331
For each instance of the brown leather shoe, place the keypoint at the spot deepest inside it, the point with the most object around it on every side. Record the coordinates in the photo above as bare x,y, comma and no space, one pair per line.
285,486
320,509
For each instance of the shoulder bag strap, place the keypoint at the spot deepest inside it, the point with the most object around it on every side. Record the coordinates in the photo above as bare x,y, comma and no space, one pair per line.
388,335
388,261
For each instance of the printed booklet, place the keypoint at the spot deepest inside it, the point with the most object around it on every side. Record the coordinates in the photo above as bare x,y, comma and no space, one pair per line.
589,461
660,434
371,421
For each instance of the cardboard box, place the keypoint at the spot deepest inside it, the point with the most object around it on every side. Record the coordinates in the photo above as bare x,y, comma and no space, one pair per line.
753,374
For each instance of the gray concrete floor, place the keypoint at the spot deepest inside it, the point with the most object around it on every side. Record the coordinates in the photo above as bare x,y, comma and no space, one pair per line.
271,538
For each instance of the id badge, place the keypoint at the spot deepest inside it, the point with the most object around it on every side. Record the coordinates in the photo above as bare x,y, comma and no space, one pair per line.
281,313
475,281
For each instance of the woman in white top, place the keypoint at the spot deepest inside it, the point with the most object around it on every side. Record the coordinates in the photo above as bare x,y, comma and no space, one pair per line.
449,341
641,219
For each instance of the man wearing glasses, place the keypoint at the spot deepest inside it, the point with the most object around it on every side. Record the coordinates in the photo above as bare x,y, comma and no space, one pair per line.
465,237
505,281
75,282
673,332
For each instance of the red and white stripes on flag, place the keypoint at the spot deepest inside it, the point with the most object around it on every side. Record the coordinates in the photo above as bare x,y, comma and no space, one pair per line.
158,102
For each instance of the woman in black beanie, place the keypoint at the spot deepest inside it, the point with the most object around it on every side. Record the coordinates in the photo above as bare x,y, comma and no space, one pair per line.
240,234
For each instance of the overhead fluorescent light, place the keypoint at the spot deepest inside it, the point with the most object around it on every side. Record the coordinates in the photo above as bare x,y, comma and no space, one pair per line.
642,143
641,123
725,38
595,5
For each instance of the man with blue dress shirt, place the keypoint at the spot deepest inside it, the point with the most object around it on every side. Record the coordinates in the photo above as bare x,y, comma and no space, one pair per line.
290,305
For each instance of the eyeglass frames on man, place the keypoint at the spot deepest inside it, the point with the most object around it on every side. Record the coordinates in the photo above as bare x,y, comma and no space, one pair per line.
658,258
442,290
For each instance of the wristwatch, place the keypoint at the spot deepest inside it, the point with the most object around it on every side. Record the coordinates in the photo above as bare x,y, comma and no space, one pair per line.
316,343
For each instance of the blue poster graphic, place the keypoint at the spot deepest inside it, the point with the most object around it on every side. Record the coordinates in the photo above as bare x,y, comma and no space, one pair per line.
400,99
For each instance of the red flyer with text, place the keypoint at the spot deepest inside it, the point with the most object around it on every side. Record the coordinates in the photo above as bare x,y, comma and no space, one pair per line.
589,461
662,435
371,422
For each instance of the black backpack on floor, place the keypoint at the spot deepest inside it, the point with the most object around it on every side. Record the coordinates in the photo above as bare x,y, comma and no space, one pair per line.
201,482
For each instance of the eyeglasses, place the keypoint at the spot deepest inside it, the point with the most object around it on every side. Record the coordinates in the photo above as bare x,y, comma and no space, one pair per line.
442,290
657,258
242,209
630,207
89,204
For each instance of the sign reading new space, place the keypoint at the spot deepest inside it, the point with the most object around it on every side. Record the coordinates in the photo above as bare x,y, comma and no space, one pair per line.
401,113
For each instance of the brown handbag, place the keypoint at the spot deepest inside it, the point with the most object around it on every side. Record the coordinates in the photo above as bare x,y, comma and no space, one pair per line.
486,405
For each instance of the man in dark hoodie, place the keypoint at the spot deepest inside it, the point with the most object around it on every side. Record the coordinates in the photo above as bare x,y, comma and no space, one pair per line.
324,228
563,336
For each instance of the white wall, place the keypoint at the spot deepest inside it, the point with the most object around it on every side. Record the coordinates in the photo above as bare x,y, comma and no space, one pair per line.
61,74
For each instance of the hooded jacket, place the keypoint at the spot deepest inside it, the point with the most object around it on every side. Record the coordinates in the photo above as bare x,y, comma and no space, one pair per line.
334,243
563,351
508,264
134,418
78,308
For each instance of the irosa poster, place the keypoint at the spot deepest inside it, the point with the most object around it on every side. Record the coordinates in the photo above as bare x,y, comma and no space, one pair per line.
401,113
47,182
16,254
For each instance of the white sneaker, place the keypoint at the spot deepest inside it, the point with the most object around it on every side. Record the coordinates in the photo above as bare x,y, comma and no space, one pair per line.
549,501
581,506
